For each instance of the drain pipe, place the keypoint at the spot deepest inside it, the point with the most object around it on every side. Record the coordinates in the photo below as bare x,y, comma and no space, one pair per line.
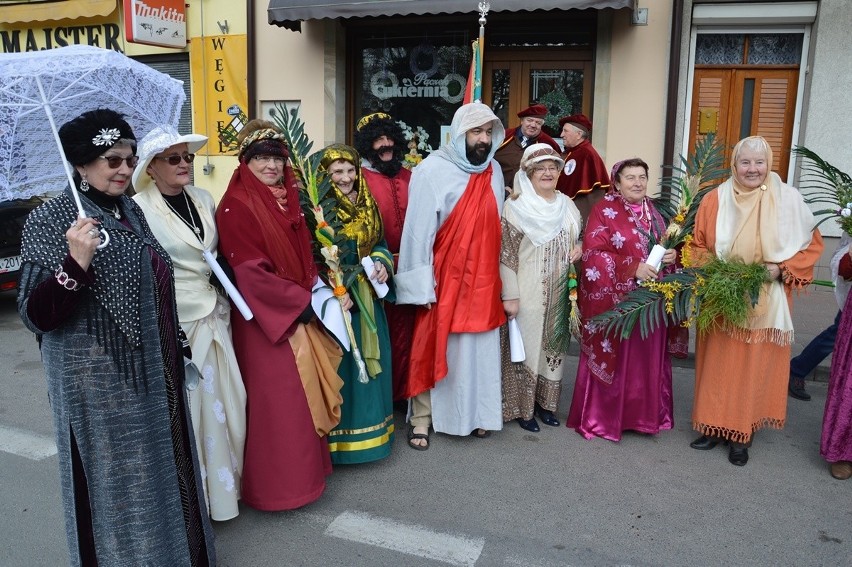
251,67
674,82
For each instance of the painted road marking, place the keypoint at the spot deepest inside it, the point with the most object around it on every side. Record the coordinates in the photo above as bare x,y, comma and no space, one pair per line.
26,444
406,538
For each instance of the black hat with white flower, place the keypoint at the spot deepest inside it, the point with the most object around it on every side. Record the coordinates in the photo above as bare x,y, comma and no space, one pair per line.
92,133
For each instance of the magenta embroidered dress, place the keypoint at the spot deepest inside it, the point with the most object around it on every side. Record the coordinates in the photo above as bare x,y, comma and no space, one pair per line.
621,385
836,443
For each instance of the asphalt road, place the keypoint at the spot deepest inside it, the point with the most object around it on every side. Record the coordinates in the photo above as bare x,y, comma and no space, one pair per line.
514,499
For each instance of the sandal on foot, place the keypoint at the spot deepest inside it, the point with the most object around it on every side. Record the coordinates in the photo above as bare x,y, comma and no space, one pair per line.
480,433
412,436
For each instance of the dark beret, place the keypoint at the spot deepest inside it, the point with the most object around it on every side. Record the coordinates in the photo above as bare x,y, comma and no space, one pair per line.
578,120
538,110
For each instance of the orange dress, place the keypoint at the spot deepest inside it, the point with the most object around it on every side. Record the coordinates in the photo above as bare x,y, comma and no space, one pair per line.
742,387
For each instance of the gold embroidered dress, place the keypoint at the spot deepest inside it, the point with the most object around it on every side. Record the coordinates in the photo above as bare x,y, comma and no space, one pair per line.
365,432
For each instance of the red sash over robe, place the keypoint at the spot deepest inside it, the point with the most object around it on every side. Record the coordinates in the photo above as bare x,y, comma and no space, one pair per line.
467,275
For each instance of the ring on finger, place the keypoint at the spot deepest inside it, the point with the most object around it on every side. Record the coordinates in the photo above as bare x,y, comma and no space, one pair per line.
93,232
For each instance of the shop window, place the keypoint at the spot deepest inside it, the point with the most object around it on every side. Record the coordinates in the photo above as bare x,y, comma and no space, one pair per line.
417,80
416,70
558,84
500,83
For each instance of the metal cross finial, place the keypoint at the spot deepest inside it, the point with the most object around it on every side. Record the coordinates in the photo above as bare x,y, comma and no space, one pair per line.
484,7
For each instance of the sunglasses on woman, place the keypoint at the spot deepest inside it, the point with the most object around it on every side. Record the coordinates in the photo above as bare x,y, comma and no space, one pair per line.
175,159
114,162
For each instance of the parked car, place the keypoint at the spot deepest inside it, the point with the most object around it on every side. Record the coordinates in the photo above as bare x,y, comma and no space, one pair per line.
13,215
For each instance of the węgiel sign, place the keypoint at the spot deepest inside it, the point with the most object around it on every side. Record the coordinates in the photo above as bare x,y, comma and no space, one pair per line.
156,22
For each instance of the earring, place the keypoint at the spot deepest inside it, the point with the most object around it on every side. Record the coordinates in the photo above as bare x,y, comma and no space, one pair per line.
84,185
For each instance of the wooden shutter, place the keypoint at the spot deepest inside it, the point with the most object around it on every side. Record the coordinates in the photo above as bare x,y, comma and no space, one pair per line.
774,112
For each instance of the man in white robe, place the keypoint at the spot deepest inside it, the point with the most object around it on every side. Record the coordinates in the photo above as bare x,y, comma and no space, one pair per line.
462,174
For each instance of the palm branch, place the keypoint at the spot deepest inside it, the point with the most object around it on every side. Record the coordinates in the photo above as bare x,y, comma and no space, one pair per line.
316,197
683,191
724,286
825,184
717,295
320,210
566,312
649,308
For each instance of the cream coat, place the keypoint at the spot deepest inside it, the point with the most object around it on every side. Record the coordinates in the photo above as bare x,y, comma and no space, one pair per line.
196,298
218,403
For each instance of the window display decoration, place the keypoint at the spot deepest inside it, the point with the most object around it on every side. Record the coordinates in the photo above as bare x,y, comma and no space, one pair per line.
416,138
558,105
420,51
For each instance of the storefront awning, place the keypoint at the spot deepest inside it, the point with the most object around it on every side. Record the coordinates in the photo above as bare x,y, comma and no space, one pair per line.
289,13
54,11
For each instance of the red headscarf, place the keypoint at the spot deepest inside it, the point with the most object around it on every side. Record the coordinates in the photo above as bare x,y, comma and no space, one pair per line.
284,231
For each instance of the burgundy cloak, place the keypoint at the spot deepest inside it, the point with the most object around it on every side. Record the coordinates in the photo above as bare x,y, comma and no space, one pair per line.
286,461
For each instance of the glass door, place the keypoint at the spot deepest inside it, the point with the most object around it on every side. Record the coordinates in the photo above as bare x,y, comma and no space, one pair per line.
513,83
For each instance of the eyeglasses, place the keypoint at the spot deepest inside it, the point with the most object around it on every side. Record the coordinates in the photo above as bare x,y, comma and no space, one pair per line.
175,159
548,169
277,160
114,162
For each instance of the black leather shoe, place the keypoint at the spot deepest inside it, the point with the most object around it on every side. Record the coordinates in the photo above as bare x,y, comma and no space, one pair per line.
704,443
797,389
528,424
738,455
546,417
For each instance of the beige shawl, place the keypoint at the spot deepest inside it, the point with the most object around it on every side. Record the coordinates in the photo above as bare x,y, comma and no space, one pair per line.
768,224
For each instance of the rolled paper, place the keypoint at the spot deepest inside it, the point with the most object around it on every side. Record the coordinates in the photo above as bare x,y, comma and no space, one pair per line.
516,343
233,292
655,258
332,315
380,287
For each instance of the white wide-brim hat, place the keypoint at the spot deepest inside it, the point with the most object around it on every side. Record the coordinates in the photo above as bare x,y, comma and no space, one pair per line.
540,152
157,140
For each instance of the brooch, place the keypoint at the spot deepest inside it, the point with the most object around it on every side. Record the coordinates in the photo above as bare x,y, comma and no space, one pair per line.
106,137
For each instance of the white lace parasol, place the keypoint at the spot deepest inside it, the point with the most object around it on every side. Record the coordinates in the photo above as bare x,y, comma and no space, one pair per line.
42,90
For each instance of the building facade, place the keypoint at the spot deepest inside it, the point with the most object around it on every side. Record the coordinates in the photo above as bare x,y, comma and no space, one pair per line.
213,83
653,75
